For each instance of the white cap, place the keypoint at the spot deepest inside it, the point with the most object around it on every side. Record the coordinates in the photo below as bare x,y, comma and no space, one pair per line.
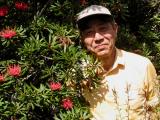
93,10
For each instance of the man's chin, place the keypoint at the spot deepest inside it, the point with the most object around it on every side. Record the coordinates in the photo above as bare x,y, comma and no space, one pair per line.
102,54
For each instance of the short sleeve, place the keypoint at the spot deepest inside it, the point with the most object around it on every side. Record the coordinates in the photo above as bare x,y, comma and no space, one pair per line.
151,86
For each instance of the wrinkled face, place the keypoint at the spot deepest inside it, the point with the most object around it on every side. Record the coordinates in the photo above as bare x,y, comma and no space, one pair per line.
99,37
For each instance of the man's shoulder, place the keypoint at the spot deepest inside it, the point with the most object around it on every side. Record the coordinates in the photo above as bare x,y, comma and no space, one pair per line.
135,59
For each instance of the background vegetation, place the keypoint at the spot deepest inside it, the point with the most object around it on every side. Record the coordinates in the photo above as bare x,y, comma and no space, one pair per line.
40,54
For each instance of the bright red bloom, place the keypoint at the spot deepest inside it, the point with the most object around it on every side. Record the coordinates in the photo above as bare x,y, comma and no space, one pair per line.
55,86
67,103
8,33
14,70
4,10
21,6
1,78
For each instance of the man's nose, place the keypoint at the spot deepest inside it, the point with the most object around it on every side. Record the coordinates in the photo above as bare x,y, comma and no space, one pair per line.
98,37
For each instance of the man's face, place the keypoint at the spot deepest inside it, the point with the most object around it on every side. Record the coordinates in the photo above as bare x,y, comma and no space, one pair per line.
99,37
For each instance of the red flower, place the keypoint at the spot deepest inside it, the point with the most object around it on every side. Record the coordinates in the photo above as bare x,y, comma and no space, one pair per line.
8,33
14,70
55,86
83,2
1,78
21,6
4,10
67,103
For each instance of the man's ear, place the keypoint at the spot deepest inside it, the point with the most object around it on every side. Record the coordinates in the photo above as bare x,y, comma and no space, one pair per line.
115,27
82,40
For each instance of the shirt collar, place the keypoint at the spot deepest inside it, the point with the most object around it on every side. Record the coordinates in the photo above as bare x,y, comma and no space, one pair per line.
118,64
119,57
119,61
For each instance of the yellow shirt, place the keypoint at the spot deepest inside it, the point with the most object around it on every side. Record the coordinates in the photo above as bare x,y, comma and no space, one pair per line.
127,91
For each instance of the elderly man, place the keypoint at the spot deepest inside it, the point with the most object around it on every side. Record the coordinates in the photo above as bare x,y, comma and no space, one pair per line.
127,91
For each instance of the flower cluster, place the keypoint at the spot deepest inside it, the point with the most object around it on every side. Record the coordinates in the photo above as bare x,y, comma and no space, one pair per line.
55,86
83,2
21,6
18,5
8,33
66,102
14,70
1,78
4,10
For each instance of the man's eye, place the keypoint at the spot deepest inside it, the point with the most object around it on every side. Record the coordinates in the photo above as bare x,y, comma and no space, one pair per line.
89,33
